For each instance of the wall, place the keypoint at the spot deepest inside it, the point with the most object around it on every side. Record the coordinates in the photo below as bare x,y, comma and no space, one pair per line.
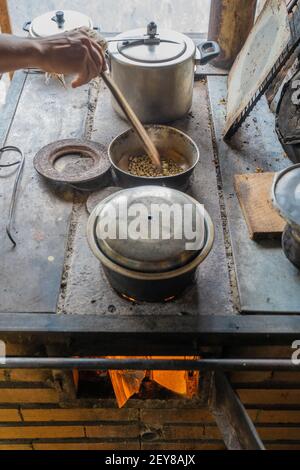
120,15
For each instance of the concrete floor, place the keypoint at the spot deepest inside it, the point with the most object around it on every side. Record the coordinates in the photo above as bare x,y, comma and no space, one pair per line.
121,15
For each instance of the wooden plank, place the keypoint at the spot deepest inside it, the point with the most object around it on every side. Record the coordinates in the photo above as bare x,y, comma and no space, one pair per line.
188,433
279,433
269,397
254,194
267,281
27,395
74,414
286,377
88,291
41,432
26,376
9,416
271,377
283,446
79,446
162,416
278,416
31,273
13,447
259,351
247,377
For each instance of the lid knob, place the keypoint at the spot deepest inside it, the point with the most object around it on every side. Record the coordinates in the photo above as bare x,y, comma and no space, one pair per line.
59,18
152,29
152,37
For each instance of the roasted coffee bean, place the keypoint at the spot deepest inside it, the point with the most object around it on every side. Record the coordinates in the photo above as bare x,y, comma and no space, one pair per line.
143,166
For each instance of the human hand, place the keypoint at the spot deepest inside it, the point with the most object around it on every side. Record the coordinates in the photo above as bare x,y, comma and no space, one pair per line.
74,52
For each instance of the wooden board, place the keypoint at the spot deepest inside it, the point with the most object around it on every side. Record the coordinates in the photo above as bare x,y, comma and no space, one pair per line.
254,193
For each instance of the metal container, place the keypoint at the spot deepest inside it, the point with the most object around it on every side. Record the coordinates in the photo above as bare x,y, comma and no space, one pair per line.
154,268
155,71
287,118
286,199
170,142
56,22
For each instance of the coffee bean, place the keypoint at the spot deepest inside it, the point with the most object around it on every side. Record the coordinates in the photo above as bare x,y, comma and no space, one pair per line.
143,166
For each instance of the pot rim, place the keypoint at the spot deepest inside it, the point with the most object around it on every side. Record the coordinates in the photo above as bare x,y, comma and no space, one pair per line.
188,56
276,205
154,178
160,276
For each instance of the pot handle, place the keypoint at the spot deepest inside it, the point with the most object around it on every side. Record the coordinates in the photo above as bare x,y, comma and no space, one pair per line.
108,59
26,26
209,50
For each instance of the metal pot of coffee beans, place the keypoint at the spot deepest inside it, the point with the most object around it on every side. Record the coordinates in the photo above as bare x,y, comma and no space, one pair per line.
179,157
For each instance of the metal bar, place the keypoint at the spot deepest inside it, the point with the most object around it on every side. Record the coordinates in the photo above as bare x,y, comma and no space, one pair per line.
64,363
234,423
155,335
11,104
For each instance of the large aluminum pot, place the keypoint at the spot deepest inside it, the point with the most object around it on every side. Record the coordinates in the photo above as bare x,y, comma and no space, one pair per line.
150,268
155,71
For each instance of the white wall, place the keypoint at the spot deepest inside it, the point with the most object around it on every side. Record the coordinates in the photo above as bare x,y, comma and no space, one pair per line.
121,15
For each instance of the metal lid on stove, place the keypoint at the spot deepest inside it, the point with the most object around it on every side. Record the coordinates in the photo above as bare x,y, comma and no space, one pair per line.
286,194
149,229
58,21
151,46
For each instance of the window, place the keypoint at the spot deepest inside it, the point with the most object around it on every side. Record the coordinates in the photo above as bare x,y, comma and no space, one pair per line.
121,15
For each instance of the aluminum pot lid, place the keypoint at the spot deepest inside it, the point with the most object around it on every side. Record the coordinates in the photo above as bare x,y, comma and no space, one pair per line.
152,46
286,194
59,21
150,229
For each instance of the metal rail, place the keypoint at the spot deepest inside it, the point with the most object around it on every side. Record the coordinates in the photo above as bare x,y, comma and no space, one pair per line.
231,416
12,207
225,365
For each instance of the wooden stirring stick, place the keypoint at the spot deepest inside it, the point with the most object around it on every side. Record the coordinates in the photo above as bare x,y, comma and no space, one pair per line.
133,119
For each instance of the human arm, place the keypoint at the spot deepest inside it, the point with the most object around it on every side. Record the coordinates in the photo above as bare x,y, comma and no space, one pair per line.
73,53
